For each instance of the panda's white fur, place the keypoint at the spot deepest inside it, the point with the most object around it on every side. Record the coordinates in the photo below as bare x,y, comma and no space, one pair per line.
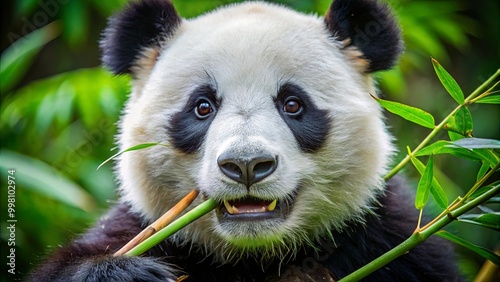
247,51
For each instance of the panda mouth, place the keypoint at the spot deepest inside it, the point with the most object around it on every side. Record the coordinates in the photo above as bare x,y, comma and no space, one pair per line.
249,205
252,208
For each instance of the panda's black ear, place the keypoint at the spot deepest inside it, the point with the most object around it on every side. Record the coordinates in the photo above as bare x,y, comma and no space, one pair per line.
141,26
370,27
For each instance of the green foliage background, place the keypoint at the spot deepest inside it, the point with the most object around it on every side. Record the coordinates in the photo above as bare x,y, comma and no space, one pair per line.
59,108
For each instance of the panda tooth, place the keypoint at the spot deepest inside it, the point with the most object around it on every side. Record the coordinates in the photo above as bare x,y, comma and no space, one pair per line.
230,209
272,206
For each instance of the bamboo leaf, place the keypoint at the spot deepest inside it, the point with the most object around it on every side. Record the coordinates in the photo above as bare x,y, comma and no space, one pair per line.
446,147
494,200
409,113
488,155
448,82
485,253
489,220
454,136
461,122
493,99
482,170
436,190
133,148
425,184
464,121
477,143
484,189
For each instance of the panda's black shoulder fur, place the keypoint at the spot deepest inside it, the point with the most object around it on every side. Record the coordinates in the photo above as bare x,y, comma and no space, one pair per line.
88,257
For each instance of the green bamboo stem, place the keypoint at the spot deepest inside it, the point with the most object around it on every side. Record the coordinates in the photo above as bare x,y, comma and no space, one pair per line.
440,126
419,237
175,226
479,183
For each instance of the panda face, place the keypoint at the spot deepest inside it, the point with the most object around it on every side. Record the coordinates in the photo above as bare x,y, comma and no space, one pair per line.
265,112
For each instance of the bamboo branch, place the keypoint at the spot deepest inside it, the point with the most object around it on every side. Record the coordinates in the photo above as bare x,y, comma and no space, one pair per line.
440,126
419,237
175,226
161,222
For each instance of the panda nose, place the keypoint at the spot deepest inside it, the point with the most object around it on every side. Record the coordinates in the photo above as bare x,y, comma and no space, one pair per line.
247,172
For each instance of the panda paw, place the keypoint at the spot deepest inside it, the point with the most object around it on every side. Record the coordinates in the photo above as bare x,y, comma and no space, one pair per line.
123,269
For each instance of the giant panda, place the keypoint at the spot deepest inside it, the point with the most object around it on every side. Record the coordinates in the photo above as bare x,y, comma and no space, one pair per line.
268,112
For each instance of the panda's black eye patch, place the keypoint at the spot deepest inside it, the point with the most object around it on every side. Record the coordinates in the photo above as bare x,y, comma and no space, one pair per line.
308,123
188,127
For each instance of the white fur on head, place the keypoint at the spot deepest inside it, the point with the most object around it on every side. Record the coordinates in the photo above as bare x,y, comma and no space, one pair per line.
246,52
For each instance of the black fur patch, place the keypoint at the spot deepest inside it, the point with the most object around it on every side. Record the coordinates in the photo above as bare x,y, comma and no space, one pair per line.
140,25
370,27
310,125
186,130
89,258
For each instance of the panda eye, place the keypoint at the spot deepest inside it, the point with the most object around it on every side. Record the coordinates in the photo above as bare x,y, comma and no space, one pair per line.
292,105
203,109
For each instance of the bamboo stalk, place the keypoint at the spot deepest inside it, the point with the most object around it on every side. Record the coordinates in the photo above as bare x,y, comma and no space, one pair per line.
160,223
175,226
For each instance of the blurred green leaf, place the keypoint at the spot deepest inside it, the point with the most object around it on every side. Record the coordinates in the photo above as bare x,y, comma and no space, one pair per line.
57,106
64,96
423,39
25,6
42,178
425,184
75,17
429,26
449,31
393,81
412,114
489,220
436,190
485,253
16,59
448,82
108,7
